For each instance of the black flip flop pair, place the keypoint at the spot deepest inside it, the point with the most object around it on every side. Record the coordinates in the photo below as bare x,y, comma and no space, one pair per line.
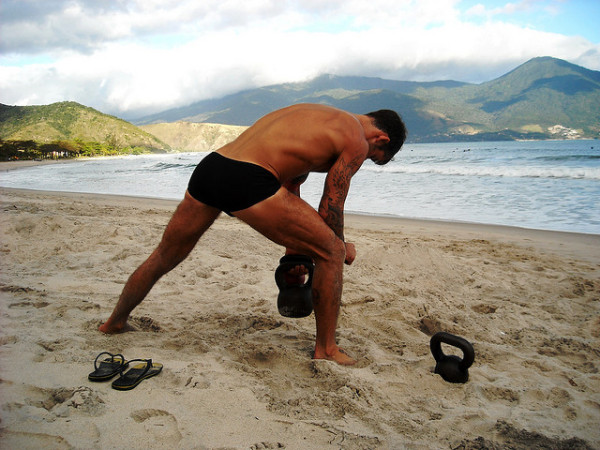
111,365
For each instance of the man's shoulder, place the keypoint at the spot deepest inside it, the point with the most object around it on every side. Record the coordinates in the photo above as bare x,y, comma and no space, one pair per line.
322,112
349,133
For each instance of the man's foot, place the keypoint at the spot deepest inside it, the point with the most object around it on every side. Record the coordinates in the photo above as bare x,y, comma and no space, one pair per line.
110,328
339,356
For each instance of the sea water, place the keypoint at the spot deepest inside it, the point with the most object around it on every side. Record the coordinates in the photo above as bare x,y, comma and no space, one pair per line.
551,185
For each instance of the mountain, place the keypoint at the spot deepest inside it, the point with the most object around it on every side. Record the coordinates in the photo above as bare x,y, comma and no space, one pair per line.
188,136
354,94
70,121
534,97
543,98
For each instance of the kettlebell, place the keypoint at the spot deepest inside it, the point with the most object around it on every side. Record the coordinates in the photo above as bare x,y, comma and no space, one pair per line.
294,300
452,368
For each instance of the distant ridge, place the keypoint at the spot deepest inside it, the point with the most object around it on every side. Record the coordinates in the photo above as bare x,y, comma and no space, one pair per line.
542,98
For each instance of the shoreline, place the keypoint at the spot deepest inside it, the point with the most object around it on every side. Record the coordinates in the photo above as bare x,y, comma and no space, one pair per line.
567,227
7,166
528,301
568,243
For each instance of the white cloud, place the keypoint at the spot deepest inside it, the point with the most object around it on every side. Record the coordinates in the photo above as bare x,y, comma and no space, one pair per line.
108,58
510,8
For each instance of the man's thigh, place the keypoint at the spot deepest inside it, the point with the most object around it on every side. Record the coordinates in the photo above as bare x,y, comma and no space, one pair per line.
190,220
287,220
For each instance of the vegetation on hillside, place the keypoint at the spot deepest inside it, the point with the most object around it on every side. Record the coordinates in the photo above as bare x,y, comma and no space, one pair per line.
68,129
18,149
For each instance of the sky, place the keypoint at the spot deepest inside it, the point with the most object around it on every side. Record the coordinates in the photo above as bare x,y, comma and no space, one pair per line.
136,57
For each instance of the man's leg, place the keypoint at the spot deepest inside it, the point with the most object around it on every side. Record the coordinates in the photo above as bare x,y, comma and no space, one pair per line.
191,219
289,221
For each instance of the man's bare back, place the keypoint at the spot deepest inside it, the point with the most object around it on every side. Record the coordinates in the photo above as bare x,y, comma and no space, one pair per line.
285,145
297,140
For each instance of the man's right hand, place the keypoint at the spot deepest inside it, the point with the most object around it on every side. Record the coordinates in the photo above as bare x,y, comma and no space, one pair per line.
350,253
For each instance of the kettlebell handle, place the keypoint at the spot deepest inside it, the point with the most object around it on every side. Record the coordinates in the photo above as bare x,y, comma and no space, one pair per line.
287,263
456,341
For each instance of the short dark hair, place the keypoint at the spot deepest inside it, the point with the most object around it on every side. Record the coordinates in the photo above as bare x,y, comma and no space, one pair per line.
390,123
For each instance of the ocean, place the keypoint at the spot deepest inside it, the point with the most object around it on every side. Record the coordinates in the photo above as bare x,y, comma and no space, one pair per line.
548,185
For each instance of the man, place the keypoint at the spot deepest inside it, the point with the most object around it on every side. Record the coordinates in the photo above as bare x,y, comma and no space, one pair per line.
256,178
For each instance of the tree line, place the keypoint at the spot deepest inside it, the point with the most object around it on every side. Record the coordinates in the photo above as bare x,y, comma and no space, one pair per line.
29,149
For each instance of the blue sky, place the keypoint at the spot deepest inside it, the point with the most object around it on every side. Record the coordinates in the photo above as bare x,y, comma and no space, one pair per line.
570,18
134,57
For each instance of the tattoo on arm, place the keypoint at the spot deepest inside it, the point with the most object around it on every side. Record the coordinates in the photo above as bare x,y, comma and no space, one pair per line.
336,189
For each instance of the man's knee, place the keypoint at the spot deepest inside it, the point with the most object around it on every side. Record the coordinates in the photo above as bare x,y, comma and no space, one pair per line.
334,251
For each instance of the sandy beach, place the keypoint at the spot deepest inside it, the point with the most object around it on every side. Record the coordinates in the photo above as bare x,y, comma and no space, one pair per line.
6,166
237,375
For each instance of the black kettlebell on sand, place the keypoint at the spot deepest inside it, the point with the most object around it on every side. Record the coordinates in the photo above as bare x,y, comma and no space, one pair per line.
452,368
295,299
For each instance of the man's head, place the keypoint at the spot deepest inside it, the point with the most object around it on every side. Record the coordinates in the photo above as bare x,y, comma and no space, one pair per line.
390,123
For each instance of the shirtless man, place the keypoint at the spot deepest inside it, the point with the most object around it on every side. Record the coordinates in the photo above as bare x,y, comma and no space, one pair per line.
256,178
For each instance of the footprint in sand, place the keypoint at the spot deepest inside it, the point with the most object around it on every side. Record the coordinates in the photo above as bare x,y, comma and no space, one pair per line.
559,397
197,383
63,402
51,346
21,439
161,424
266,445
28,303
484,308
11,288
146,324
495,393
4,340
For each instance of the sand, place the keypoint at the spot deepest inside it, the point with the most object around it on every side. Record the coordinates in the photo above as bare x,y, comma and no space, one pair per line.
237,375
7,166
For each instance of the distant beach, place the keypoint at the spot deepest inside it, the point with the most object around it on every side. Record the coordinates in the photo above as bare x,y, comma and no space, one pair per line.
6,166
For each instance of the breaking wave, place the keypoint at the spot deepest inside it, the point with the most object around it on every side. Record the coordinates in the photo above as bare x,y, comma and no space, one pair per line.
589,173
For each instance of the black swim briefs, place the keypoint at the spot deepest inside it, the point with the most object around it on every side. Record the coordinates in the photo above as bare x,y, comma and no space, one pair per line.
231,185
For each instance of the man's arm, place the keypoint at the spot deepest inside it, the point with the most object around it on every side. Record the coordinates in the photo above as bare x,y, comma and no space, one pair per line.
337,185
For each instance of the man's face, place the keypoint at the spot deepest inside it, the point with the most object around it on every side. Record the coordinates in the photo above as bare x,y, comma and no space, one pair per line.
379,156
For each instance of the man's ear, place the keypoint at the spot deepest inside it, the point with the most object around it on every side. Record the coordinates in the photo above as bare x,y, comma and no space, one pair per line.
382,138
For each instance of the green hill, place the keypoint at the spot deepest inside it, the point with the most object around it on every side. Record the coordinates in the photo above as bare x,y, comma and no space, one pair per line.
543,98
70,122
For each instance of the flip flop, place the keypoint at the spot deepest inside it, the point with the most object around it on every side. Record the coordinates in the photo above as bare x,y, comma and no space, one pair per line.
136,374
107,368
